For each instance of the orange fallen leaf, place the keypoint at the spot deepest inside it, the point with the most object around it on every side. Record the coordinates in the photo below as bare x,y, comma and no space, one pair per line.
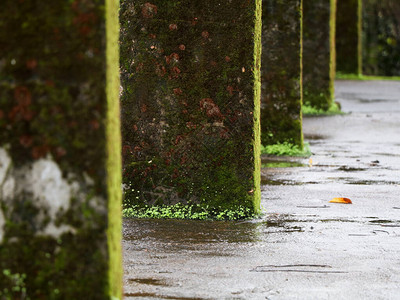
341,200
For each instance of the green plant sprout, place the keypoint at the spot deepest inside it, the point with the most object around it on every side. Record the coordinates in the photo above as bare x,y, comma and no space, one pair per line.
286,149
334,109
187,211
15,289
364,77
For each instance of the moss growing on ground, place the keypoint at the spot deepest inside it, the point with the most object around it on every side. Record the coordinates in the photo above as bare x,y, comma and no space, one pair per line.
188,211
309,110
345,76
286,149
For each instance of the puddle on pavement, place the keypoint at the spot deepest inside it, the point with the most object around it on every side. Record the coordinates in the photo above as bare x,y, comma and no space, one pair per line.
198,235
298,268
373,182
314,137
386,154
353,181
383,222
283,164
181,233
371,101
157,296
338,220
148,281
269,181
350,169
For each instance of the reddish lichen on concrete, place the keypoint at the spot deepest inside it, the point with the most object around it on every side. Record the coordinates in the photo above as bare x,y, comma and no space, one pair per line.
319,52
381,37
282,73
53,107
349,36
188,104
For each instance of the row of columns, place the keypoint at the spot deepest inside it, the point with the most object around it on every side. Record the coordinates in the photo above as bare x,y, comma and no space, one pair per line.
190,110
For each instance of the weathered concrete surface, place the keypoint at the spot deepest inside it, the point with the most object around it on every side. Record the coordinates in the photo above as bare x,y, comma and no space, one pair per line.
381,37
304,247
281,72
349,36
319,19
190,74
60,154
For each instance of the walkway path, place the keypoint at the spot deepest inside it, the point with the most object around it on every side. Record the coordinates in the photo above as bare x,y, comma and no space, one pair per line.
304,247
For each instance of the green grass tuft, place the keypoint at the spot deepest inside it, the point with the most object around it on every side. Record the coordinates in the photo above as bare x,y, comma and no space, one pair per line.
286,149
364,77
312,111
187,211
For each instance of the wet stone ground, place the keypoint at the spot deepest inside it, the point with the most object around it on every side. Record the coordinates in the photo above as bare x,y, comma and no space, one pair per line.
303,247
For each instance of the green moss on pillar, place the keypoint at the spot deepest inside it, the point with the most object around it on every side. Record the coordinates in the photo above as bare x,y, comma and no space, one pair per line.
381,37
114,167
360,38
59,149
348,36
332,48
319,53
281,118
190,102
257,110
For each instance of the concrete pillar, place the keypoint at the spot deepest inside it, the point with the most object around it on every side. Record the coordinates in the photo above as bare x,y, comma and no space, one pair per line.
381,37
60,182
190,104
281,72
349,36
319,52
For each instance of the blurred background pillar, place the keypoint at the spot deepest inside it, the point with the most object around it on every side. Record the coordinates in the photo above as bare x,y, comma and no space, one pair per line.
60,167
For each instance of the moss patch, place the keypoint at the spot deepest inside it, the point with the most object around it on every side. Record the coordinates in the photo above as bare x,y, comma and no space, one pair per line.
188,211
281,73
286,149
381,37
309,110
319,52
114,167
342,76
348,36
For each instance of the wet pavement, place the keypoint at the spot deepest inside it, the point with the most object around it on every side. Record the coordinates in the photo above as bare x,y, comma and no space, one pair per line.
303,247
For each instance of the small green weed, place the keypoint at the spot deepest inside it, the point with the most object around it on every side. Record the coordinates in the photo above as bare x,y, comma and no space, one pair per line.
15,286
187,211
308,110
286,149
364,77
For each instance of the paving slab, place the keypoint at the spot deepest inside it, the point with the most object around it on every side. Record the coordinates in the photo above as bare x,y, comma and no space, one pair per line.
304,247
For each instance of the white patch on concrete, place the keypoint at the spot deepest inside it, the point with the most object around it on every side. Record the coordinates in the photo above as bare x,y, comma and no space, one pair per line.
42,179
48,187
2,222
5,162
8,188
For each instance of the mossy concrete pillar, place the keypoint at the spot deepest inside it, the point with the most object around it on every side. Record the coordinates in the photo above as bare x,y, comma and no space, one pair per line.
319,52
349,36
281,72
190,103
60,182
381,37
